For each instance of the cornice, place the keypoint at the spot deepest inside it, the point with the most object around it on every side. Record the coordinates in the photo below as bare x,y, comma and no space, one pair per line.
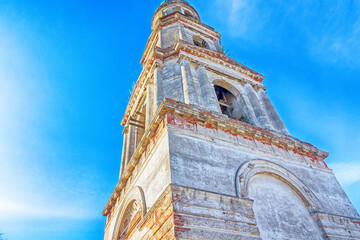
168,3
171,19
171,109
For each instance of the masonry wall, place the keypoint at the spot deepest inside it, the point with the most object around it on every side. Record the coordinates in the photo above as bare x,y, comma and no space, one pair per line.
153,177
208,160
207,215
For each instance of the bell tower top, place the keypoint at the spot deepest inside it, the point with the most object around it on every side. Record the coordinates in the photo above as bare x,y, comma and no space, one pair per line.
172,6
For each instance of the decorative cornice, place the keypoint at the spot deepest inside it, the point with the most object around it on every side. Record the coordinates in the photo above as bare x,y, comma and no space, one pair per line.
170,109
171,19
167,3
197,62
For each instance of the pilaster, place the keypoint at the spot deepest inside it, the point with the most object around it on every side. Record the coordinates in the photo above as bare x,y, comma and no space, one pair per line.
258,108
158,86
130,145
272,114
149,104
190,94
123,155
207,91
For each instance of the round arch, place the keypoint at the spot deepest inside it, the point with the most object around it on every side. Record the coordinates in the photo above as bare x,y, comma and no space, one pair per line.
136,194
228,86
253,167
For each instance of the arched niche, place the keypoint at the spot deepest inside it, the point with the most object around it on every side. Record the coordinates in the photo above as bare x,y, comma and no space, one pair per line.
251,168
282,203
132,210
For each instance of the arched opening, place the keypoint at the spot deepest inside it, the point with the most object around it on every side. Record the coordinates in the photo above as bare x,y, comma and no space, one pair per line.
232,101
131,218
140,128
279,212
132,210
136,129
225,99
198,41
189,14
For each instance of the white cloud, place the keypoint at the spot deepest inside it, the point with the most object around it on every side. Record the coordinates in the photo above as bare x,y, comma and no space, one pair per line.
328,31
239,16
20,209
347,173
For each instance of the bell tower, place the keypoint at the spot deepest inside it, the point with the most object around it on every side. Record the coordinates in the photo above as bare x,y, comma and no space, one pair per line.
206,155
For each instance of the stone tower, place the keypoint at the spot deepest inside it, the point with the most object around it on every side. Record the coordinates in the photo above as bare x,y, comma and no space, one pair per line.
206,156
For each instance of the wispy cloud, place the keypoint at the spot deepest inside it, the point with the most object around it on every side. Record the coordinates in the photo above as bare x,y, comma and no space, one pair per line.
20,209
239,16
328,31
347,173
337,41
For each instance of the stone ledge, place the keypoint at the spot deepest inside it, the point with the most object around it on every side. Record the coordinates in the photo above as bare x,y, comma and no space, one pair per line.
338,227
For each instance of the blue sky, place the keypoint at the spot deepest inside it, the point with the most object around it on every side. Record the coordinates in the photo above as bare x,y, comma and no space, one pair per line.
66,68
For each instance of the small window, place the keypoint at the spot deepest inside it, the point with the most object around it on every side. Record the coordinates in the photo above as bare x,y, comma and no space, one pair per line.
187,13
225,99
198,41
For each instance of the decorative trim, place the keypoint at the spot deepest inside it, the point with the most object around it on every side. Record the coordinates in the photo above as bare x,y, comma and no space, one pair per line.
169,109
254,167
135,194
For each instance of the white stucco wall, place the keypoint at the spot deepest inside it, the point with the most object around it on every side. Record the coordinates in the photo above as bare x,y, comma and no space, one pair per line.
280,214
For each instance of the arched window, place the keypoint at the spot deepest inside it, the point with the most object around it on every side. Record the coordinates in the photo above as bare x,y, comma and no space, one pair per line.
226,99
131,218
198,41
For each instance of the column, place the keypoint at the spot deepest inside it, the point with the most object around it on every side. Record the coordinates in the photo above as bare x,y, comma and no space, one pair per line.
159,43
190,95
130,145
123,157
182,34
207,91
248,110
218,46
149,105
259,110
272,114
158,87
